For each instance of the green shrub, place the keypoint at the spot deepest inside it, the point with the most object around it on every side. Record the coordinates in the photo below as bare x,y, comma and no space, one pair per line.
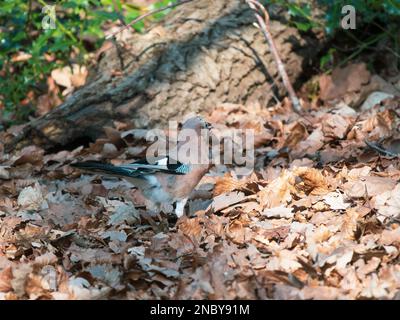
21,32
366,11
383,15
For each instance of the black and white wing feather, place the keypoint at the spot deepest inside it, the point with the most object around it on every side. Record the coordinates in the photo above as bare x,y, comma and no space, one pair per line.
136,169
161,164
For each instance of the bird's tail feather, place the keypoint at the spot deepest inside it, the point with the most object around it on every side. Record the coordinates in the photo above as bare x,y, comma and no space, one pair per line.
103,168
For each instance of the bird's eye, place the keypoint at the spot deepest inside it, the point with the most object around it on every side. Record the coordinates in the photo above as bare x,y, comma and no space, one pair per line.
207,125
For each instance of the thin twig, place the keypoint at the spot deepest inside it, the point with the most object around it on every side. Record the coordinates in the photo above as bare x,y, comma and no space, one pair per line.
173,5
264,26
28,19
115,43
361,48
380,150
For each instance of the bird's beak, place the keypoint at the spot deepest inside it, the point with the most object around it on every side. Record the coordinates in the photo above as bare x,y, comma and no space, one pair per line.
209,126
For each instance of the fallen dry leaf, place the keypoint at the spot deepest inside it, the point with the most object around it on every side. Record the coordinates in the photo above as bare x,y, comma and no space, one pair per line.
31,198
336,201
317,219
278,212
70,78
349,79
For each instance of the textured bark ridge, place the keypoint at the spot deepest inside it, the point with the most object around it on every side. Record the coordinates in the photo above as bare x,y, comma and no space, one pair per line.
203,54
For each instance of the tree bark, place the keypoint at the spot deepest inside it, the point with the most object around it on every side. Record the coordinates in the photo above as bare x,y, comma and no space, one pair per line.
203,54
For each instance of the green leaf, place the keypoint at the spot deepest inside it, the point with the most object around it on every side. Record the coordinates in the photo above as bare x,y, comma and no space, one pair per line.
103,15
303,26
328,57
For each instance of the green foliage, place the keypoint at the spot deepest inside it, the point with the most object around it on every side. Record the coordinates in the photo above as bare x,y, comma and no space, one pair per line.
383,14
366,11
21,31
327,58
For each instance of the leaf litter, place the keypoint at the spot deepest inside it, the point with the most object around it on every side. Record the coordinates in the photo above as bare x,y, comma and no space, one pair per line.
319,218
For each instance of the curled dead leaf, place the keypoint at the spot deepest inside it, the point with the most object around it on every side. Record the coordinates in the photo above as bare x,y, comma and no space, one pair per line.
297,133
227,199
313,181
278,191
31,154
191,227
31,198
20,57
238,233
70,78
226,184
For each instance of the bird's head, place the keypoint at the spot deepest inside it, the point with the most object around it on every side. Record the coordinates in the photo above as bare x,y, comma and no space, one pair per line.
196,123
193,141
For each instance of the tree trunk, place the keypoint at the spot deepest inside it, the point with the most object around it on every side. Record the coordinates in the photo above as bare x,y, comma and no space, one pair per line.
203,54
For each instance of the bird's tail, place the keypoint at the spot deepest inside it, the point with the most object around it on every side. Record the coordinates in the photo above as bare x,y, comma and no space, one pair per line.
102,168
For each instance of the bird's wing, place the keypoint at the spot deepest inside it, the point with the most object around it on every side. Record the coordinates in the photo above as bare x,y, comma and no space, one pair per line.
106,169
161,164
136,169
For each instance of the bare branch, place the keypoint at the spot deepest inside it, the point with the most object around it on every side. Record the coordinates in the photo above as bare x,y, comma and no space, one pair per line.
264,26
380,150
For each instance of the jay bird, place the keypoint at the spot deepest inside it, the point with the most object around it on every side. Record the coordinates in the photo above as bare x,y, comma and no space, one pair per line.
163,181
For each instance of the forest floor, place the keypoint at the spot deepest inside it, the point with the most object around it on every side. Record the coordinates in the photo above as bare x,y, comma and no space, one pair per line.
319,218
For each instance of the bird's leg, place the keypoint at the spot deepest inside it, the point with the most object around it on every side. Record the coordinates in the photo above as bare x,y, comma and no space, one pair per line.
180,207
